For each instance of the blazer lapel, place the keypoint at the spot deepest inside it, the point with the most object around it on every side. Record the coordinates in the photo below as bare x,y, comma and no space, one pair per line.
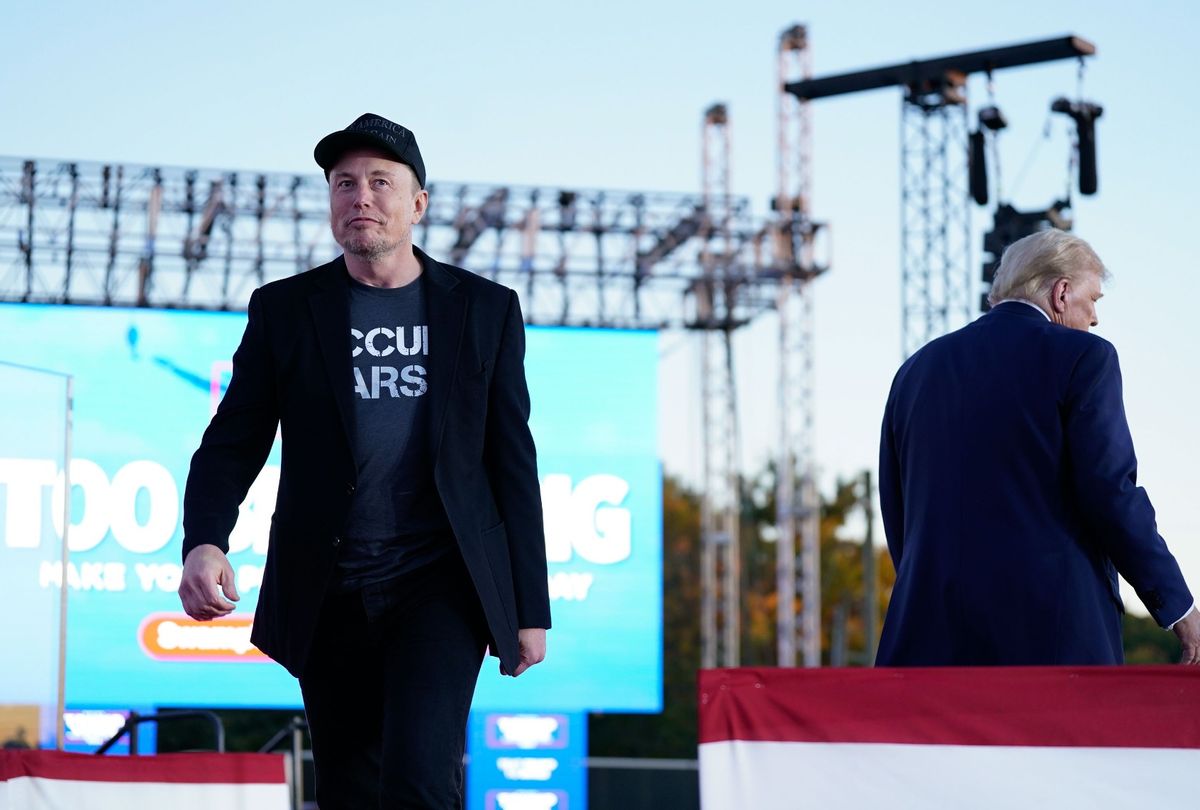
447,312
330,305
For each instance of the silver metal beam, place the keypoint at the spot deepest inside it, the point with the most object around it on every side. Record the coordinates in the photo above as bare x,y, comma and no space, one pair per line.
935,230
204,239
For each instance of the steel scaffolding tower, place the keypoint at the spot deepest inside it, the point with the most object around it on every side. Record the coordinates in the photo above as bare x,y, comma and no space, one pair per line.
721,506
795,232
936,274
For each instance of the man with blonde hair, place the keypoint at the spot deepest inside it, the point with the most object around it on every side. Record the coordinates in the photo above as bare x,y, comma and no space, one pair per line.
1008,483
1044,268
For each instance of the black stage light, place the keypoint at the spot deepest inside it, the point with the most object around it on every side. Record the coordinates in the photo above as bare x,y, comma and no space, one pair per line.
977,168
992,118
1084,113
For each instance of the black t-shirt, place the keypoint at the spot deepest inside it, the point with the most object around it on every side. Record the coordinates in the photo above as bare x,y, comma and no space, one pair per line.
396,521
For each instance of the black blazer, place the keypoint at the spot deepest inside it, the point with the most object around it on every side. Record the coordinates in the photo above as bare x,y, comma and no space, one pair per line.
293,370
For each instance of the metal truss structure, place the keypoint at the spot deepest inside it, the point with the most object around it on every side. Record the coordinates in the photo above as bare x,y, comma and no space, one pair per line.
936,274
937,282
796,233
720,609
91,233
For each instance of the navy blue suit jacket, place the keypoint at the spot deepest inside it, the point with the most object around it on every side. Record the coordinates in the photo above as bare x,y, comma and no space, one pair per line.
1008,488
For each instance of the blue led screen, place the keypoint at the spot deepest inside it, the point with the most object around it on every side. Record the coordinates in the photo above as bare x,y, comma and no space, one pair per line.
146,384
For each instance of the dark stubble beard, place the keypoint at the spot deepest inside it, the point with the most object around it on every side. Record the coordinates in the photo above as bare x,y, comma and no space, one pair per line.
370,249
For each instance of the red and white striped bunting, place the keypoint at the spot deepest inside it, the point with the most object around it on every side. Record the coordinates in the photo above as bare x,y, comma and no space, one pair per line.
50,780
1088,737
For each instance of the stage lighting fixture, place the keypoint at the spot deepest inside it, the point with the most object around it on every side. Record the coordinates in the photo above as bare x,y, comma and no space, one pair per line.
1084,114
717,114
977,168
992,118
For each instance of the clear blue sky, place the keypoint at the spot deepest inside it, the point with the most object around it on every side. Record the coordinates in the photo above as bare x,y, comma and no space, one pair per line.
610,94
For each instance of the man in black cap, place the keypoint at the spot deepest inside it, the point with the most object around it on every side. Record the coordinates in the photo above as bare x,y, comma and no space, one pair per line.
407,534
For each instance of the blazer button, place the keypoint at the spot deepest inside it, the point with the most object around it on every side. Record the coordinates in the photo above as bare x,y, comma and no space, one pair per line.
349,489
337,541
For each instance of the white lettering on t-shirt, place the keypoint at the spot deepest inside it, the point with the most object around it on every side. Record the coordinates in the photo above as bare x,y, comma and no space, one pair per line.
414,375
375,382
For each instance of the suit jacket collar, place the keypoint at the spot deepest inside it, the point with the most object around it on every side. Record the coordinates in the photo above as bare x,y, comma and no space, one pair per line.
1020,309
446,310
435,272
330,307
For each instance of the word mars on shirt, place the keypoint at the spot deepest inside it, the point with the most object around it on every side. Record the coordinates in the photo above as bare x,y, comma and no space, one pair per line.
381,342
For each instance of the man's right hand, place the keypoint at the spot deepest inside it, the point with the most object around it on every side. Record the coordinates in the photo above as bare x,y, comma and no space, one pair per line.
1188,630
207,583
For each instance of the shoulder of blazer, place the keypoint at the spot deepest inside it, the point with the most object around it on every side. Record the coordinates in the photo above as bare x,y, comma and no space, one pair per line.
296,289
1074,343
1018,315
1044,343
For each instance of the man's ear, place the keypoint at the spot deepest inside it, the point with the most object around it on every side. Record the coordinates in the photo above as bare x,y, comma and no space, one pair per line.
1058,295
420,205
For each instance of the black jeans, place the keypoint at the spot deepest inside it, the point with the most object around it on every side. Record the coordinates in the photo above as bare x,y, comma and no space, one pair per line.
388,686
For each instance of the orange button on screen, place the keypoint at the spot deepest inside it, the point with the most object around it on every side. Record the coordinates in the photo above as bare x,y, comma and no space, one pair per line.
176,637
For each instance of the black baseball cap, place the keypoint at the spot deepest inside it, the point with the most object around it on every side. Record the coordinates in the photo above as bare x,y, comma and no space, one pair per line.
377,132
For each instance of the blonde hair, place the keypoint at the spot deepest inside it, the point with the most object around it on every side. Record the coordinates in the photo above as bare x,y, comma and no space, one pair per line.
1030,266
